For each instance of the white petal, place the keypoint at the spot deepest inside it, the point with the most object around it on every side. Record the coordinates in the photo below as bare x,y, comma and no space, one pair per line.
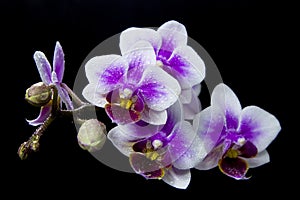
154,117
259,126
122,141
209,124
177,178
91,95
260,159
226,100
192,108
173,34
186,95
132,35
186,148
140,131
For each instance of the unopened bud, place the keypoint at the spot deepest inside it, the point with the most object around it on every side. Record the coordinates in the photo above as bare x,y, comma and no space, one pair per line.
38,94
92,135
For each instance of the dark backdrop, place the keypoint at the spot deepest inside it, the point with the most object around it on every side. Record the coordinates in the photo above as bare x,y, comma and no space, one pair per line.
246,39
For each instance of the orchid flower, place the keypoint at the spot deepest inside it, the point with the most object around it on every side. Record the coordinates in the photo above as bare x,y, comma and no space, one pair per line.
172,54
235,138
166,153
130,87
51,77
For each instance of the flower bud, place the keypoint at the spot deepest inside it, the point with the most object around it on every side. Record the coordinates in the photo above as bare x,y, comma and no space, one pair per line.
92,135
39,94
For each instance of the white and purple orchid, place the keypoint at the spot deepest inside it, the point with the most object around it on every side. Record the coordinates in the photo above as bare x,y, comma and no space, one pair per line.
51,77
131,87
235,138
166,152
173,55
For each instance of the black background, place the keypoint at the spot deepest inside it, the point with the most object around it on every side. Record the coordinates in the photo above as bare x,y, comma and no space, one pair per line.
246,39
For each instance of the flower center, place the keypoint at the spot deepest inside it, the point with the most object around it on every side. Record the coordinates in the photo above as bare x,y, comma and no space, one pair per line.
232,153
126,99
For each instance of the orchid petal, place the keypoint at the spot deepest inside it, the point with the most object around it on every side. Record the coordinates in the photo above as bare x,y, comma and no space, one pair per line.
122,141
177,178
185,148
209,125
158,89
150,169
64,96
121,115
224,98
44,114
107,71
192,108
259,126
43,67
234,167
186,66
58,62
260,159
186,95
91,94
173,35
132,35
139,56
154,117
248,150
140,129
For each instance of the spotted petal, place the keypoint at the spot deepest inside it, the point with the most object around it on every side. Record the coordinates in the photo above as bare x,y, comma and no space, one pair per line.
177,178
44,114
43,67
234,167
259,126
58,62
158,88
132,35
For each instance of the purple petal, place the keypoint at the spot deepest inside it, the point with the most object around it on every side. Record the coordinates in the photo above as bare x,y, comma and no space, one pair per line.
177,178
186,66
44,114
58,62
108,72
158,89
132,35
43,67
139,56
248,150
259,127
260,159
186,149
234,167
173,35
64,96
225,99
